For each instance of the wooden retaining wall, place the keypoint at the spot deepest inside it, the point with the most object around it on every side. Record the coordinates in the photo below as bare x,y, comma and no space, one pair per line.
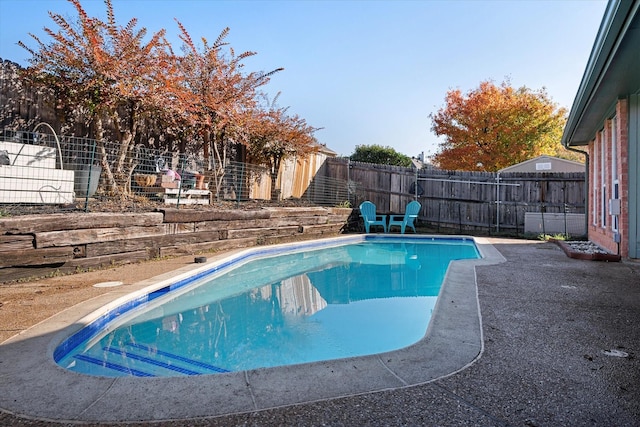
36,245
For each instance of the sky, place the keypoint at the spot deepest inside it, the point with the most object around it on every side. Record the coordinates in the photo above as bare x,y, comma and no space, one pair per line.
365,72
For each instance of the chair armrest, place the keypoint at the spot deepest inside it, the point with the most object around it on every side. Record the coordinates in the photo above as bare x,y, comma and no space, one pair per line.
381,217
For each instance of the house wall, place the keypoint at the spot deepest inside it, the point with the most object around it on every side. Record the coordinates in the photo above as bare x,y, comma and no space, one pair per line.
634,175
609,151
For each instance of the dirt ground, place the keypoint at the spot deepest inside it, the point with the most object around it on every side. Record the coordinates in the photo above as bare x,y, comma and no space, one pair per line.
24,304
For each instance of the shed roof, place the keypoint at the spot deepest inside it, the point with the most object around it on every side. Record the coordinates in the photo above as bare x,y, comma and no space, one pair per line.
322,148
549,164
613,70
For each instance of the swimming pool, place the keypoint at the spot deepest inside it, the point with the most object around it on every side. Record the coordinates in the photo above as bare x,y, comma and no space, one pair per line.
274,306
453,342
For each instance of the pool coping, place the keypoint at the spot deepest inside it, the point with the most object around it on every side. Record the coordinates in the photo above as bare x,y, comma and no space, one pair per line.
32,382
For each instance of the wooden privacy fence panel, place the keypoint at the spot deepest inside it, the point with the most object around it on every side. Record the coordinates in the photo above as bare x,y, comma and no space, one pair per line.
462,200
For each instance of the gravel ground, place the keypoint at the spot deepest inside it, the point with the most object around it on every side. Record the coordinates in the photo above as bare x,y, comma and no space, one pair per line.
586,247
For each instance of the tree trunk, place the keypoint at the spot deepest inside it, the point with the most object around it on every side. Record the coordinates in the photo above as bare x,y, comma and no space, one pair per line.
111,186
275,168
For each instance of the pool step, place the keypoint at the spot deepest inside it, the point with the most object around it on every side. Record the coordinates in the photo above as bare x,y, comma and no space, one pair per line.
143,361
203,367
112,366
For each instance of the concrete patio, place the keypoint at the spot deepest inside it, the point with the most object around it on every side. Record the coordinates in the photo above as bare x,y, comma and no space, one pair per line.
558,346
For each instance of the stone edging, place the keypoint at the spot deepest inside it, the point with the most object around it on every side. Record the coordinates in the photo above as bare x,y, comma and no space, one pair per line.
585,256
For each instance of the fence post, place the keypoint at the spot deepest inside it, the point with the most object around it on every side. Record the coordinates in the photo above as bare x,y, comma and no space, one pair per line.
86,197
349,181
240,185
498,202
182,174
489,217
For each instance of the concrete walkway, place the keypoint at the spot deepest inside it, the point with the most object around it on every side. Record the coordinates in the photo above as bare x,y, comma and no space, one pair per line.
558,345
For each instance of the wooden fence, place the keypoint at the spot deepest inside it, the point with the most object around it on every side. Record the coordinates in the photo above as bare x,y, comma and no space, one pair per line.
465,201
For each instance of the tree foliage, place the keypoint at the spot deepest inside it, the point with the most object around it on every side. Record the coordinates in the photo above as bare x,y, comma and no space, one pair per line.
218,100
103,71
380,155
202,101
492,127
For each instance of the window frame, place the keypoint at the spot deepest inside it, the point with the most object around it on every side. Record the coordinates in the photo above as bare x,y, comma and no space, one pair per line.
615,176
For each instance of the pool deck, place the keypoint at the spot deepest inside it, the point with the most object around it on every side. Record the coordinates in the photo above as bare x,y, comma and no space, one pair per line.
542,340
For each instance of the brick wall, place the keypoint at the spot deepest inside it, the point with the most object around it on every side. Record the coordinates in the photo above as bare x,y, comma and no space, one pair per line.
601,232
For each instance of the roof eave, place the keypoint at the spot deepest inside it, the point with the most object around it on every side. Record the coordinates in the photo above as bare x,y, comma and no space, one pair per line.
616,21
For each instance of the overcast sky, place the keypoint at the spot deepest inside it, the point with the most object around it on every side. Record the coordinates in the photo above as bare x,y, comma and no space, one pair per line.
367,72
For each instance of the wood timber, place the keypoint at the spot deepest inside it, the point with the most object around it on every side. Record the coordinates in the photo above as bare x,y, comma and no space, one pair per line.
280,212
220,245
13,243
29,257
183,215
34,245
149,243
79,237
73,221
262,232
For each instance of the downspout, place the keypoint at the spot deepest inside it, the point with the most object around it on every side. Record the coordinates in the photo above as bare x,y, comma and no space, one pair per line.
586,186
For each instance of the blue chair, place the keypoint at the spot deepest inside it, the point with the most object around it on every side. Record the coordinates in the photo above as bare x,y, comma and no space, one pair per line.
406,220
368,214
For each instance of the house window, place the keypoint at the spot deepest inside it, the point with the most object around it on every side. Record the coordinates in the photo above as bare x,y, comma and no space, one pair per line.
615,179
596,183
603,180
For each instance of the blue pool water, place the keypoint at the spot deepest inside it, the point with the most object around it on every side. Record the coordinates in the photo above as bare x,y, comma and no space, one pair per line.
306,305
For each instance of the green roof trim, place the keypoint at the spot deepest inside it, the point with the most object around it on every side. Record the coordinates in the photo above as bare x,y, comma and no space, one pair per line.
612,72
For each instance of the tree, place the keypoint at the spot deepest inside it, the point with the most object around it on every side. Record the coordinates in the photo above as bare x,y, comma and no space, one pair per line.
379,155
215,93
493,127
121,83
102,71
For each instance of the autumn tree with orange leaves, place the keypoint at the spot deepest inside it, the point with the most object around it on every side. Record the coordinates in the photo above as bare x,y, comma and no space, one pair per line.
492,127
204,101
102,71
216,96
